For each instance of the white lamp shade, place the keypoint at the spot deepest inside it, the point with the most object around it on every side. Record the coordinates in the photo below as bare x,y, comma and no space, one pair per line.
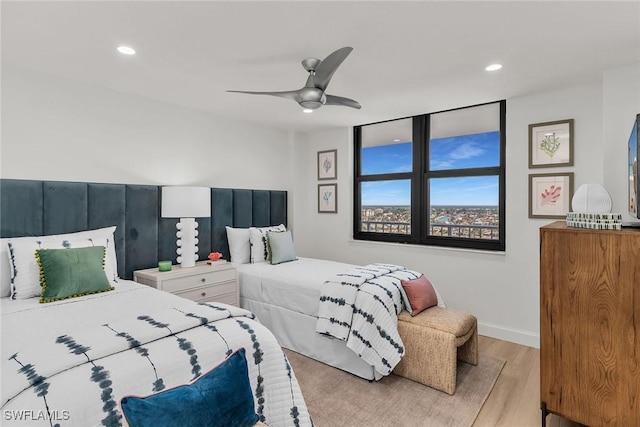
186,202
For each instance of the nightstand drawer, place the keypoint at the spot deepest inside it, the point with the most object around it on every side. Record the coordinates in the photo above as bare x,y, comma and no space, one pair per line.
226,298
209,293
198,280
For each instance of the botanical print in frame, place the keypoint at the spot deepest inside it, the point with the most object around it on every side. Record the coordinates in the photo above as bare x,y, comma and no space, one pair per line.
328,164
550,195
551,144
327,198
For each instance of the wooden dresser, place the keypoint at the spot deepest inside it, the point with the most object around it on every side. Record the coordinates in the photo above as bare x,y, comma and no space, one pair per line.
590,325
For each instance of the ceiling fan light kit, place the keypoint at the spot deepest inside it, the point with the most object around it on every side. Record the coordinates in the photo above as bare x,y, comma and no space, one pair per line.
312,95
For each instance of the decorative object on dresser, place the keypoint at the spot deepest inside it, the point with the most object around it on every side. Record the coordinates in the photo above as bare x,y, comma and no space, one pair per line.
589,325
164,265
591,206
591,198
202,283
214,256
186,203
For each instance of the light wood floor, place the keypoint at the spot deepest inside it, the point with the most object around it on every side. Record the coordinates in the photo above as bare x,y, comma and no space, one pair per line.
515,399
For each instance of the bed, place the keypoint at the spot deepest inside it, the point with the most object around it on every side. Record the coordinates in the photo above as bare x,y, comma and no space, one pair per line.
286,299
72,360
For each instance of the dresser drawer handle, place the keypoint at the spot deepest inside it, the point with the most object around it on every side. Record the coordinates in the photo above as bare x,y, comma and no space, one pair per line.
203,280
204,294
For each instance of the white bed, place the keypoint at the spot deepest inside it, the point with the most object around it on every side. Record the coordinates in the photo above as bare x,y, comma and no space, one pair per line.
285,298
308,302
42,372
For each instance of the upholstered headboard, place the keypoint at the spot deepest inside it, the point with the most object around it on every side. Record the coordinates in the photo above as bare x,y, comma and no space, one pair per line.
36,208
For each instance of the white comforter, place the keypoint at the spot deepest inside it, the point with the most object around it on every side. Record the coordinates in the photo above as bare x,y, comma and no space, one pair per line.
68,363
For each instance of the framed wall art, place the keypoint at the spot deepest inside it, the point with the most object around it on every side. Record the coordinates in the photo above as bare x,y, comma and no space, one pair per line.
327,198
328,164
551,144
550,195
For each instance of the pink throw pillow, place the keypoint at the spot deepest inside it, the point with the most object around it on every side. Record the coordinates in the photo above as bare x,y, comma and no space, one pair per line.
420,293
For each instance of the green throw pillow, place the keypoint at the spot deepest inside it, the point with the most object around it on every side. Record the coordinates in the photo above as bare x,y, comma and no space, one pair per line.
282,248
73,272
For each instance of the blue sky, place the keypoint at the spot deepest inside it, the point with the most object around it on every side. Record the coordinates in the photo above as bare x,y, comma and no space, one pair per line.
387,158
468,151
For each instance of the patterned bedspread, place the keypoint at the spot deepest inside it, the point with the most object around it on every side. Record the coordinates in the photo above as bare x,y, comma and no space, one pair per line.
69,363
361,307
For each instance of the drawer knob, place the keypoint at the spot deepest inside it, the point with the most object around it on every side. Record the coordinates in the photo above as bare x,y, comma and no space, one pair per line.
203,280
204,294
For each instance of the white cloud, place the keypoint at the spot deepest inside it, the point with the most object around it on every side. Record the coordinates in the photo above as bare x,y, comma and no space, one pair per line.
466,151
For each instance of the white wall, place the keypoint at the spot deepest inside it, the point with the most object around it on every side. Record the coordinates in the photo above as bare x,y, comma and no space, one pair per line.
621,103
53,129
502,290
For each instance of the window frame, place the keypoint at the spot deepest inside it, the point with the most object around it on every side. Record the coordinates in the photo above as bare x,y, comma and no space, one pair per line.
419,178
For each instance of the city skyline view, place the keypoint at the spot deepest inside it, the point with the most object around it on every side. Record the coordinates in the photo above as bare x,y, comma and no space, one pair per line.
479,222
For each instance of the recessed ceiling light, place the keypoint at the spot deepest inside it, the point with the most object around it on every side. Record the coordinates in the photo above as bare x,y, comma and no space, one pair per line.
396,140
493,67
307,110
126,50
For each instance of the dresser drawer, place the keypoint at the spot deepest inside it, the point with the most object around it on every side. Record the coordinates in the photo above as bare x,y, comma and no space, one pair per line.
208,293
198,280
229,298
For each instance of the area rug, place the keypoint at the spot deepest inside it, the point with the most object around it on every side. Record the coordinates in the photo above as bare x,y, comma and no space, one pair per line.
338,399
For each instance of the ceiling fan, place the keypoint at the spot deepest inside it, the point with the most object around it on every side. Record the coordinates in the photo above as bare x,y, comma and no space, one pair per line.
312,95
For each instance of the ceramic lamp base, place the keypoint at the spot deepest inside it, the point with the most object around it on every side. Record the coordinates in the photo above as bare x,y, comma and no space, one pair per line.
187,242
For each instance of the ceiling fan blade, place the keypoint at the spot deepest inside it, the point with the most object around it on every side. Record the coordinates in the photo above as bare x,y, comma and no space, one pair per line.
339,100
291,94
328,66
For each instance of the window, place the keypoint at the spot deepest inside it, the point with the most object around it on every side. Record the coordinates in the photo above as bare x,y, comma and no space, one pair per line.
434,179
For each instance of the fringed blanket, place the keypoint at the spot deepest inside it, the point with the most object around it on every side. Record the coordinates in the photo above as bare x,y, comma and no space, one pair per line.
361,307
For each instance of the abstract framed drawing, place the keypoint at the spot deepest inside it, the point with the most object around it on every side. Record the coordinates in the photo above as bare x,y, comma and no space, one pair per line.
550,195
327,198
551,144
328,164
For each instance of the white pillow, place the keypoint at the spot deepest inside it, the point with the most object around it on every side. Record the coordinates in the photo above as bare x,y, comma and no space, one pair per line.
23,268
5,270
238,239
259,241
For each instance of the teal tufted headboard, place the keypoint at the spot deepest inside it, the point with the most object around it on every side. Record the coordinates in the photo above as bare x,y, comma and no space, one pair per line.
36,208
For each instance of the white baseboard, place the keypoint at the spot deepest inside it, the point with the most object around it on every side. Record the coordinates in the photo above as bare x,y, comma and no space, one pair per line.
518,336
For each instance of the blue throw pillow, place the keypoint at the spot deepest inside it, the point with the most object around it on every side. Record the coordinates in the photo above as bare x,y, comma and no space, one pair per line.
220,398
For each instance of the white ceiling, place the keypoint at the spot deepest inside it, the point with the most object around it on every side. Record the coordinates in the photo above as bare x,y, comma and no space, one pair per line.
409,57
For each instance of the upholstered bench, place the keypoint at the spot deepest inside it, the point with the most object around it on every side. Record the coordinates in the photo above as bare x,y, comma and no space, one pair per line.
433,342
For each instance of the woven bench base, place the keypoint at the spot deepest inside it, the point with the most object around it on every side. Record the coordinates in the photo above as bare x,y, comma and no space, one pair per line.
434,341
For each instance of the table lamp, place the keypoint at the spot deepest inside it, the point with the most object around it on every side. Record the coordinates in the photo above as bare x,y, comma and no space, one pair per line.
186,203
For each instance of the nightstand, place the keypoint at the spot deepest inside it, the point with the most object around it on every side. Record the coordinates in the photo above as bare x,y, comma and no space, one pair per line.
202,283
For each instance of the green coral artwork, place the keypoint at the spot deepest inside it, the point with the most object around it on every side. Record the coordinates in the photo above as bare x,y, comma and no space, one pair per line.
550,144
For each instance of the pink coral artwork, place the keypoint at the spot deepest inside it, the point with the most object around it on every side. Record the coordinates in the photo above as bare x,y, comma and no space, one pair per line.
550,195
